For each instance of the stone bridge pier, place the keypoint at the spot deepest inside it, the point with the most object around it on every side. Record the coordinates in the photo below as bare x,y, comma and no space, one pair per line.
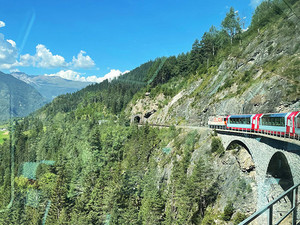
277,166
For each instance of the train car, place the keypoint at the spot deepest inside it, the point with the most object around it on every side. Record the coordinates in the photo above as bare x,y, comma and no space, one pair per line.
217,122
274,123
282,124
279,124
240,122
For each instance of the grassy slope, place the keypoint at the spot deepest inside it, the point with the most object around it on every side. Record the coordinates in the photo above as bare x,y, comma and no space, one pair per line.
3,135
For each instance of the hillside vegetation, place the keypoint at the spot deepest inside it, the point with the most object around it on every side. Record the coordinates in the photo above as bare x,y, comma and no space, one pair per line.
107,171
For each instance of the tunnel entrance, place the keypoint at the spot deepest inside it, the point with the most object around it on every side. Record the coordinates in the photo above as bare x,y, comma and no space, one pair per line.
137,119
279,169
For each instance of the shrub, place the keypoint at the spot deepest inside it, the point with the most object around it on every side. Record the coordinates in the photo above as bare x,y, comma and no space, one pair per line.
228,211
239,217
217,146
247,76
208,221
209,217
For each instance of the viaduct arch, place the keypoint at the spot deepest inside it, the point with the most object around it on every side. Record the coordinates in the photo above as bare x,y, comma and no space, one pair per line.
277,164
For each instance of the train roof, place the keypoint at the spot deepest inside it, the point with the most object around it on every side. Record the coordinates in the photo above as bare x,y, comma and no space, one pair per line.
275,115
241,116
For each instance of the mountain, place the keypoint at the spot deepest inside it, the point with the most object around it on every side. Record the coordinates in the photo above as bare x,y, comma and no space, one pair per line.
51,86
17,97
109,172
28,93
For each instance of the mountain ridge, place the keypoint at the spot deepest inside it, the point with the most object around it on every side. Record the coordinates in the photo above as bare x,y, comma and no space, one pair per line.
18,99
51,86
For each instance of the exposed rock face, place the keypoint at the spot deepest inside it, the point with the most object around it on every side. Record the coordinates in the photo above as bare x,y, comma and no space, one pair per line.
244,160
234,171
256,79
145,108
237,180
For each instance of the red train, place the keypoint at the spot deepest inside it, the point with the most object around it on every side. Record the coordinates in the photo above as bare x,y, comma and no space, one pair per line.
279,124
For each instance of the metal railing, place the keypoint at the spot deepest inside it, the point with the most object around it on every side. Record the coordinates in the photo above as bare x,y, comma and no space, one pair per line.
293,211
260,132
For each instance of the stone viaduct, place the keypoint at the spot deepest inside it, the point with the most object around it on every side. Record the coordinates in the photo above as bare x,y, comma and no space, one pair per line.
277,164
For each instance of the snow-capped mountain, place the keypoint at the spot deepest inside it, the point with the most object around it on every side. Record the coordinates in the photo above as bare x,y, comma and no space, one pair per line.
50,86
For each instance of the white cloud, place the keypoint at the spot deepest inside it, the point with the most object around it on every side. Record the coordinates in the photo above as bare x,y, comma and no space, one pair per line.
73,75
69,75
113,74
2,24
12,43
43,58
8,53
255,3
83,61
46,59
26,60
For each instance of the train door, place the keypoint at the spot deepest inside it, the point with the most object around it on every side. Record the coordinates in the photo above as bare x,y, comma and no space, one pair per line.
290,128
289,125
255,121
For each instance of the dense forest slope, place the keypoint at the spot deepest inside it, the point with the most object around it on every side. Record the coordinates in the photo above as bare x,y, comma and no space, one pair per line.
17,98
96,168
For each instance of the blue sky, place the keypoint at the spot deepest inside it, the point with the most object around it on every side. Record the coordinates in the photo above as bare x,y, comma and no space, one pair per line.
86,39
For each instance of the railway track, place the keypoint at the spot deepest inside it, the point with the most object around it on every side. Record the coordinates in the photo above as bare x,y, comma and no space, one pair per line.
246,133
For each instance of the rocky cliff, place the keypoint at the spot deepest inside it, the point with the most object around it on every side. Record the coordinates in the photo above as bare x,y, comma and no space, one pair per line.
259,75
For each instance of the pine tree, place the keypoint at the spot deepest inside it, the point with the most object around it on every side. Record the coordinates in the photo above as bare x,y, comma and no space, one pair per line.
95,206
59,195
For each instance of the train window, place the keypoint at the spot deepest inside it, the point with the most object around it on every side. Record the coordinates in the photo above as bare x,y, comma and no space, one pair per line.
240,120
273,121
298,121
247,120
